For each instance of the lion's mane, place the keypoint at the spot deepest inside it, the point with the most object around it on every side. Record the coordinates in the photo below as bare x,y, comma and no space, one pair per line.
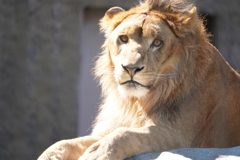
197,60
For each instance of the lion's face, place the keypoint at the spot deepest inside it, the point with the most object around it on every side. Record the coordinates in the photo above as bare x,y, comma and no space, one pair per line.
142,53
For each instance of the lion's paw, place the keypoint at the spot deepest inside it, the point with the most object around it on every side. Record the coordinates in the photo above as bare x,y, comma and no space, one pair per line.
54,153
98,151
58,155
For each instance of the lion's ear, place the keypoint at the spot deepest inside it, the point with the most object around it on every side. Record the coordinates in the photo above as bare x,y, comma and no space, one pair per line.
183,23
107,23
112,11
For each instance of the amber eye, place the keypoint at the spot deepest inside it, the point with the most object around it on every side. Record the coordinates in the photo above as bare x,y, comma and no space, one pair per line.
157,43
124,38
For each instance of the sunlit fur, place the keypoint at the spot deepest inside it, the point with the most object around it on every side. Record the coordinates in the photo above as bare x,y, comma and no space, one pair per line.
182,94
184,73
167,68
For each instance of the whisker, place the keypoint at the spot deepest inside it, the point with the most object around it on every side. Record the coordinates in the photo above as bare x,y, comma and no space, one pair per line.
174,67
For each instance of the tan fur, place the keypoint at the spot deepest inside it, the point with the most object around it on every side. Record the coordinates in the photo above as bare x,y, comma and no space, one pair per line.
186,96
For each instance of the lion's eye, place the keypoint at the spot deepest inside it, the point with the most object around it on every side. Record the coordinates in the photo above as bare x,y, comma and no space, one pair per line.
157,43
124,38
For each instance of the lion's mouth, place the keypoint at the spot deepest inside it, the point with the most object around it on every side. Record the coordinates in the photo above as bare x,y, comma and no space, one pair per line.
134,84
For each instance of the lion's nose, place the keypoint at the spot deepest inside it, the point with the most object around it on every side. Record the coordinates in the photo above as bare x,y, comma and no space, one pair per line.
132,70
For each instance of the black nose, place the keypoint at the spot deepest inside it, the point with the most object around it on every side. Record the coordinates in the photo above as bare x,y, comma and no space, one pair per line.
132,70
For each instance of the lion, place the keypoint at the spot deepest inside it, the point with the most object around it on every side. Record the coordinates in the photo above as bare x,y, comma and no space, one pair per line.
164,86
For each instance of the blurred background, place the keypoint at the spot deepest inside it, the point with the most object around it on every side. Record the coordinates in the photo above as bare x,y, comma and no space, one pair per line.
47,48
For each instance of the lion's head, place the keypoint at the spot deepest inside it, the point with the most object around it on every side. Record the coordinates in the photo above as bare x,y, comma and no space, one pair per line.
147,48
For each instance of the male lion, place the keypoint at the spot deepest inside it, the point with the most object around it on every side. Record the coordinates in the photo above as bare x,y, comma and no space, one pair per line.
164,87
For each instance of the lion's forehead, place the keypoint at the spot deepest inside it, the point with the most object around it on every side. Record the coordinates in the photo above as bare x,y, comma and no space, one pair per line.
129,25
141,24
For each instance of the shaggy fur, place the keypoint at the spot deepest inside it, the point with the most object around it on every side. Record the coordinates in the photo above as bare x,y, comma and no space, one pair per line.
164,86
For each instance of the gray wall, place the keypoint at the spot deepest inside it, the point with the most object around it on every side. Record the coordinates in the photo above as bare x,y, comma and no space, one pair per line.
46,52
226,15
39,67
91,41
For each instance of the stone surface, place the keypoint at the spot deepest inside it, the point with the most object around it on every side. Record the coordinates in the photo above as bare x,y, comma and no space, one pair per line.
39,67
192,154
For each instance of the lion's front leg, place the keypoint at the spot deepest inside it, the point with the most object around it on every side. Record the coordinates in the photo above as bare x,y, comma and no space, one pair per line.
70,149
126,142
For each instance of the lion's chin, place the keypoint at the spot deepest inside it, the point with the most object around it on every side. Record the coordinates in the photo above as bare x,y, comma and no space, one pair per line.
133,90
